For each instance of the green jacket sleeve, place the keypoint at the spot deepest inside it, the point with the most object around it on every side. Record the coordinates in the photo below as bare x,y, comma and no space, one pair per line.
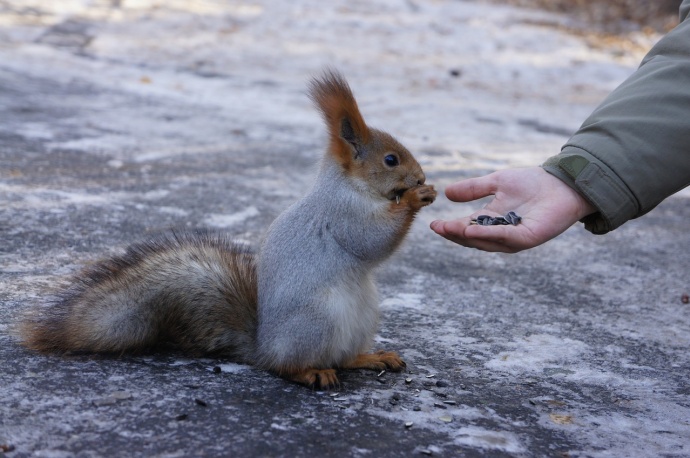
634,149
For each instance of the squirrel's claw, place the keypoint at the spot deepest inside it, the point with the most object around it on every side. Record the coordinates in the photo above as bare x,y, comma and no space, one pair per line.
379,361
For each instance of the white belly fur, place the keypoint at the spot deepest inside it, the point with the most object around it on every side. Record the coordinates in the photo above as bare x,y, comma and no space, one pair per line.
353,307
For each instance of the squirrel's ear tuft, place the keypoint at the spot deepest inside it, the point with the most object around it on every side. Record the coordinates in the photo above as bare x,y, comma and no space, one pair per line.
346,127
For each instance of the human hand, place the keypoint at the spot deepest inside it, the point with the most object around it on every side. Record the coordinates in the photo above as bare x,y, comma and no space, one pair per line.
546,204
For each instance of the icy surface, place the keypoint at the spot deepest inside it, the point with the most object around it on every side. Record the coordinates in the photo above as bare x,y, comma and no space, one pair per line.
124,118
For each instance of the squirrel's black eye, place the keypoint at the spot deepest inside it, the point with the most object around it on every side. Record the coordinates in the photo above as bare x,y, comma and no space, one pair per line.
391,160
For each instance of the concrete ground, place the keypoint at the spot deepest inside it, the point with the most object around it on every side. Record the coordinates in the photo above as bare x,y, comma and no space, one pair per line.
121,119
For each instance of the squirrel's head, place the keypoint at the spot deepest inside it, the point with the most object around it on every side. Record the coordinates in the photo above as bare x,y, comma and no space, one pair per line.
374,157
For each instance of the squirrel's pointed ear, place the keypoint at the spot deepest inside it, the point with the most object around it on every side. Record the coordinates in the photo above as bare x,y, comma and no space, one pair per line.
346,127
347,133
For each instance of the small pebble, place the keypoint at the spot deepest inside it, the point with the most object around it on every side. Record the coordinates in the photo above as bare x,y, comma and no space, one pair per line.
417,409
409,424
441,384
201,402
446,418
181,417
408,380
217,370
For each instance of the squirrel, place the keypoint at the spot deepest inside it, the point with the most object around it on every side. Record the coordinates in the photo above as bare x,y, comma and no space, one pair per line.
303,307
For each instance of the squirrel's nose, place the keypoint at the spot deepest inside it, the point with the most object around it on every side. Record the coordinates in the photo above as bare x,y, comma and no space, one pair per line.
420,178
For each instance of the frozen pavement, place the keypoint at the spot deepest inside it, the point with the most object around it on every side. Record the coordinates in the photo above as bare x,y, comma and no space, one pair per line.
124,118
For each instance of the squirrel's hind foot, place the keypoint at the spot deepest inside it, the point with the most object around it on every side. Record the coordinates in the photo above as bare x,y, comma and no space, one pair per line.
379,361
321,379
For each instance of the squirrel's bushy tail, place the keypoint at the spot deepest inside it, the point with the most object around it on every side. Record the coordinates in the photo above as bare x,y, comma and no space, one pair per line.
194,291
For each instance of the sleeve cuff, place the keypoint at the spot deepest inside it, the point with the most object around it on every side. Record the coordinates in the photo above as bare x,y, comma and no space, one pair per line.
598,184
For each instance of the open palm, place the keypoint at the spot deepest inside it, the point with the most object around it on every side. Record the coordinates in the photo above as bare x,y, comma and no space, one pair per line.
546,204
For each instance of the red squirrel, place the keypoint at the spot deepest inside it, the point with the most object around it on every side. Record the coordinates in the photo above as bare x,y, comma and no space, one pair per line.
303,307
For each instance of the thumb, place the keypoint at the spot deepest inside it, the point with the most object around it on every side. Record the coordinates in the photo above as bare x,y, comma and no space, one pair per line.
472,188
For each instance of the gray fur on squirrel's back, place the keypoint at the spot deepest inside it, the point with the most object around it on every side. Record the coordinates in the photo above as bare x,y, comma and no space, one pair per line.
195,291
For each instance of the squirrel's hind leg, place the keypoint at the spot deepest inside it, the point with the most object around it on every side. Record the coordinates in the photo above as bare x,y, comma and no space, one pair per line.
379,361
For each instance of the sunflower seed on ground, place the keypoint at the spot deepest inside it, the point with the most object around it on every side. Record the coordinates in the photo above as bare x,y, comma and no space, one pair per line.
450,403
381,373
201,402
426,452
439,405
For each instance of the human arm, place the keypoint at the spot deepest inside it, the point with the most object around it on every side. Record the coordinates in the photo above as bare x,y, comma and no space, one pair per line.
634,149
628,156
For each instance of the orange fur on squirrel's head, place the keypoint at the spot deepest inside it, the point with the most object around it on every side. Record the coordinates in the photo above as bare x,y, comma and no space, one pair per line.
373,156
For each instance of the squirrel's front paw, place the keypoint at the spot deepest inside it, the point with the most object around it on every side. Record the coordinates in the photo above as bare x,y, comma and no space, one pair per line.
420,196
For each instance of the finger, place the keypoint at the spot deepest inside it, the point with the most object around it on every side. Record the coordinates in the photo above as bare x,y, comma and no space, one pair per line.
472,189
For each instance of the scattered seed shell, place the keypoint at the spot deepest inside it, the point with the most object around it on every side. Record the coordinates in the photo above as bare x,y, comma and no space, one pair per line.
106,401
409,424
201,402
381,373
446,418
408,380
